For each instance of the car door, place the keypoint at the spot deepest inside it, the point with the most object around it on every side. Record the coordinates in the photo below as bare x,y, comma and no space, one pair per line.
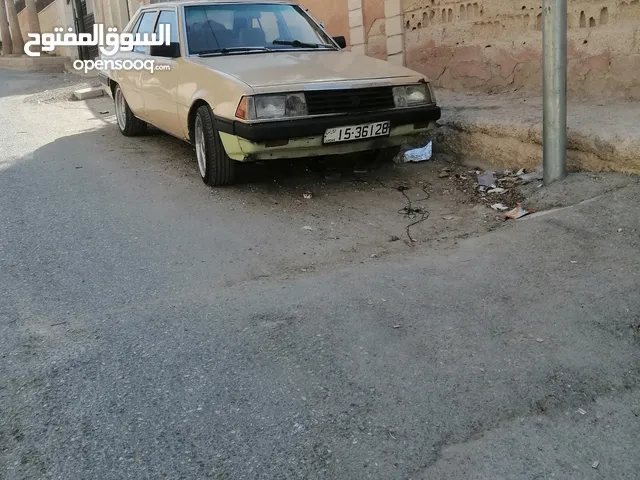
159,87
130,80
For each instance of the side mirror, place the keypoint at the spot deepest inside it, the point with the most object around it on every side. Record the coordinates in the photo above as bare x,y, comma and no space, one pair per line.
170,51
342,43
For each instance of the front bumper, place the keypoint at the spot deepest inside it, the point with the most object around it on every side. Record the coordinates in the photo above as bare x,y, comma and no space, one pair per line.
241,149
314,126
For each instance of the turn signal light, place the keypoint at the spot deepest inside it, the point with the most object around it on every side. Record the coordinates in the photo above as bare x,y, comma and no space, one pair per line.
241,111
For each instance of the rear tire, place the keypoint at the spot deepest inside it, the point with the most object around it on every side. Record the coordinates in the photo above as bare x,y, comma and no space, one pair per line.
216,168
129,125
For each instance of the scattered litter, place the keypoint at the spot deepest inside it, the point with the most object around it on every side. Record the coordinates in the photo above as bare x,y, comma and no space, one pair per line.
57,324
518,212
104,112
419,154
374,255
508,180
303,269
392,436
497,190
78,166
487,179
539,340
394,238
397,326
307,195
360,172
500,207
308,228
619,230
520,172
582,412
530,177
574,261
448,217
595,464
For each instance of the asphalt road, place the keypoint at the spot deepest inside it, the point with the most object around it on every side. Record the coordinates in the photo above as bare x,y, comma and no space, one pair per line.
151,327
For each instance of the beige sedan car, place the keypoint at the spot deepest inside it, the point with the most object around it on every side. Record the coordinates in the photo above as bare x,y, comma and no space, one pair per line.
255,80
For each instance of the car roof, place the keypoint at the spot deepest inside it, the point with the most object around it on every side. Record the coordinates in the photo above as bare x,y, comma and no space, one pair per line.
199,2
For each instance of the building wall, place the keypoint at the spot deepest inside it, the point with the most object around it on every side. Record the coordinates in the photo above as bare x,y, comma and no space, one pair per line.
111,13
333,13
495,45
374,28
57,14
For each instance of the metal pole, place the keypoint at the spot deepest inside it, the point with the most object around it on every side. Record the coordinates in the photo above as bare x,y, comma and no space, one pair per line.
554,86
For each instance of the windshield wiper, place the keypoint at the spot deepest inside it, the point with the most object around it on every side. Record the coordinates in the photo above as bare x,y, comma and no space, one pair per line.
227,50
299,44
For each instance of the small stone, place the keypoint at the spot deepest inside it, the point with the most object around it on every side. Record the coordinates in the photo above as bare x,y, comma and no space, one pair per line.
539,340
619,230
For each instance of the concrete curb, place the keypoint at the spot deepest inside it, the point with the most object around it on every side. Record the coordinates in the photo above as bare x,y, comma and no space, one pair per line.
505,134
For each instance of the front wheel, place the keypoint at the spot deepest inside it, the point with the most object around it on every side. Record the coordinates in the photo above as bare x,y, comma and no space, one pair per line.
129,125
216,168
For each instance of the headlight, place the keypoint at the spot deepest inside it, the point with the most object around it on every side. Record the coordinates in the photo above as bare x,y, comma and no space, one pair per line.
265,107
412,95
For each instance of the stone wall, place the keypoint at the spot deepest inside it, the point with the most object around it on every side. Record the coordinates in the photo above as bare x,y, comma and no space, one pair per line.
333,13
374,28
495,45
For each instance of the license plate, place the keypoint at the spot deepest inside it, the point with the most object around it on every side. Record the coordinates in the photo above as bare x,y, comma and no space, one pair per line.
356,132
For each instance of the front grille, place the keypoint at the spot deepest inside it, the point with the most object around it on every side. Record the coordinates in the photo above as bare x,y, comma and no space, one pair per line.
321,102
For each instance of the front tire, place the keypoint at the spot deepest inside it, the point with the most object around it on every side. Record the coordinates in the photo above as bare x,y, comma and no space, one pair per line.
216,168
129,125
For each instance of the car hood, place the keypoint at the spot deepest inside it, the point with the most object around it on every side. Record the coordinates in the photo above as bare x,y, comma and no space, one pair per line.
295,68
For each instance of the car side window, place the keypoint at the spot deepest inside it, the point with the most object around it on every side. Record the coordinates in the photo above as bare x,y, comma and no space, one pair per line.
168,17
147,22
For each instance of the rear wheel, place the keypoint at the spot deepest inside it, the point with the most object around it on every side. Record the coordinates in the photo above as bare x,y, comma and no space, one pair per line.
127,122
216,168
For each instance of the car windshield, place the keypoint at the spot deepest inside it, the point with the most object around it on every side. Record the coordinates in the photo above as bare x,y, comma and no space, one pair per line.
234,28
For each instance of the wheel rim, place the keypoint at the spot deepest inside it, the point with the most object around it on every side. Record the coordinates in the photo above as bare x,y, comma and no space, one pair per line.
121,109
200,149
